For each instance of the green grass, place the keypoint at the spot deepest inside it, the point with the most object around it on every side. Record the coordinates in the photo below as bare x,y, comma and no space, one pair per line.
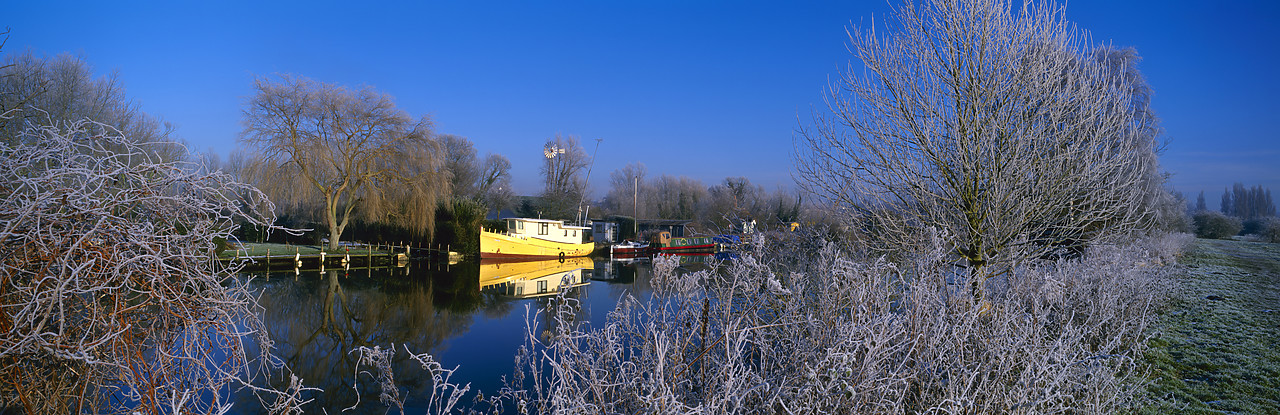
1217,347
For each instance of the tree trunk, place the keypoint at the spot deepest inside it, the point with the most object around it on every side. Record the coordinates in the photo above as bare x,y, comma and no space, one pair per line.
331,219
334,233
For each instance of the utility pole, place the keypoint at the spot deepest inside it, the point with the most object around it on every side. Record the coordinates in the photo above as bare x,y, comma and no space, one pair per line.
635,198
582,200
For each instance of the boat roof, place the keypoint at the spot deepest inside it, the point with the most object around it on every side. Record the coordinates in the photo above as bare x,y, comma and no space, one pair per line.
562,224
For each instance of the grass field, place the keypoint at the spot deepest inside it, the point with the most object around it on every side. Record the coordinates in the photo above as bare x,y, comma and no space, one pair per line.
1217,347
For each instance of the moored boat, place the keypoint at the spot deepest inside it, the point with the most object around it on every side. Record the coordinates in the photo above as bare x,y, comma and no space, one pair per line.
700,244
535,238
629,248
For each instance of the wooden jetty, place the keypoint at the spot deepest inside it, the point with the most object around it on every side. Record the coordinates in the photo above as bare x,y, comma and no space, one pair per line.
360,256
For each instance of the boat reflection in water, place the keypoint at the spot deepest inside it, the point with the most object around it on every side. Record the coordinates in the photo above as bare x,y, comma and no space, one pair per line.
529,279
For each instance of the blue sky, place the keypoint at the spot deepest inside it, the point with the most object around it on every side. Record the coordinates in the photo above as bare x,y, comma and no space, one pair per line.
703,89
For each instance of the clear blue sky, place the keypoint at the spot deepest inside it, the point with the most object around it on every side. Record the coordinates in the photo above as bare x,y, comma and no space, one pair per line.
703,89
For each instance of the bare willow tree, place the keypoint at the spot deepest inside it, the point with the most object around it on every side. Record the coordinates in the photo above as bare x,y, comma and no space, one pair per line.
993,124
111,302
352,151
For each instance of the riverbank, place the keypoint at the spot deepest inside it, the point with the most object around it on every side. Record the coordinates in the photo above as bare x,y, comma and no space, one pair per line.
1215,348
265,256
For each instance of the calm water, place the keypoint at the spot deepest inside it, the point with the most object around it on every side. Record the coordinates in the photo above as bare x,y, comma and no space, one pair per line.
471,315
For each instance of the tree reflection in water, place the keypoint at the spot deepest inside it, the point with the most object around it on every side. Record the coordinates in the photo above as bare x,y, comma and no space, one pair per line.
316,320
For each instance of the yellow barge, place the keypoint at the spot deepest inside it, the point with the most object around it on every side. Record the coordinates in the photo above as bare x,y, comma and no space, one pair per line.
536,238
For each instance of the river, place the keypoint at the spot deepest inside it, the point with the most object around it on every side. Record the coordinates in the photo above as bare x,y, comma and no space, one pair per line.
471,315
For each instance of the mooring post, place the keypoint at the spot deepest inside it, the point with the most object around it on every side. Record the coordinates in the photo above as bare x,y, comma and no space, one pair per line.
268,262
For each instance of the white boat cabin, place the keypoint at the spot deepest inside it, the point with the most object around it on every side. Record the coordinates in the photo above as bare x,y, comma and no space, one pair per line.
547,229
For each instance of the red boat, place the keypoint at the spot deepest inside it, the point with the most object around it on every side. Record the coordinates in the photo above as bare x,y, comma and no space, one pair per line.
629,248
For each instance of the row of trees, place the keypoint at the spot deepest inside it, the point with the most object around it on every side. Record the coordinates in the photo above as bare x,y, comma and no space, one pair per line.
719,206
1243,202
1244,211
333,156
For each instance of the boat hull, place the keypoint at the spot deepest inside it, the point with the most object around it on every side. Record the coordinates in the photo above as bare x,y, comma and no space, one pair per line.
497,245
642,250
688,245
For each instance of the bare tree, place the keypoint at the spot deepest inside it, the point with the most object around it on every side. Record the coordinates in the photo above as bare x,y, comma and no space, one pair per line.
734,201
629,194
460,161
112,300
1200,203
353,151
565,163
37,91
994,125
680,197
494,182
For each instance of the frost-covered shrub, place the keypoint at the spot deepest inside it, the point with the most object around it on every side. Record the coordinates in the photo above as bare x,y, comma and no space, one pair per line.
824,331
1268,229
111,302
1214,225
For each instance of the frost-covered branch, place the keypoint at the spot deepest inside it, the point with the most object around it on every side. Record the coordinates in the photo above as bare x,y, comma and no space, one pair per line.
110,297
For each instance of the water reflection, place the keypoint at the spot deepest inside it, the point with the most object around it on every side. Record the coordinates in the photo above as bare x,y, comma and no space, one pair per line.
470,314
529,279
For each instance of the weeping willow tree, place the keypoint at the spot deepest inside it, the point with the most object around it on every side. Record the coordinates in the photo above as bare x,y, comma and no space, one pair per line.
340,154
999,125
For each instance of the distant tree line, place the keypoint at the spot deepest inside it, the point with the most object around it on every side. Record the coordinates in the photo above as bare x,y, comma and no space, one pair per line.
719,207
1247,202
1244,211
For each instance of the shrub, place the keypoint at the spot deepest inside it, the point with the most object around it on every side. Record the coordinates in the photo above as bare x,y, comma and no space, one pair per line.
111,302
458,223
836,334
806,327
1268,229
1215,225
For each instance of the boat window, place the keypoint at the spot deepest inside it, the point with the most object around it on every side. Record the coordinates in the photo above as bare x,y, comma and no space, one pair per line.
566,232
544,229
542,285
511,225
